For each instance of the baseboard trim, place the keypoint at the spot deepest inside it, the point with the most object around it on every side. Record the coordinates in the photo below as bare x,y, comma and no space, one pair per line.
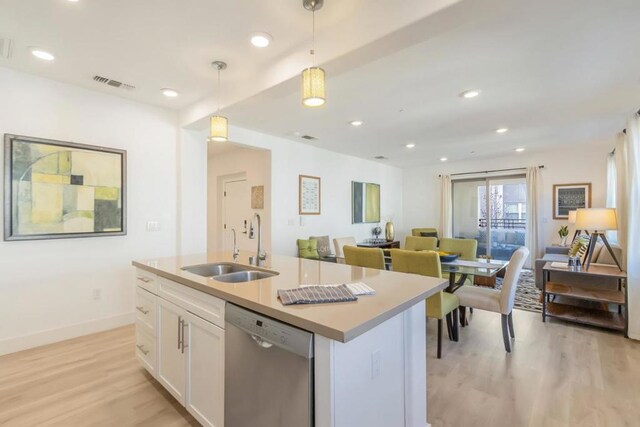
51,336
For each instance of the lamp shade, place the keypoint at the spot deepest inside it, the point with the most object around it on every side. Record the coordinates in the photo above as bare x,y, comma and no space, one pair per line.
572,217
219,128
600,219
313,87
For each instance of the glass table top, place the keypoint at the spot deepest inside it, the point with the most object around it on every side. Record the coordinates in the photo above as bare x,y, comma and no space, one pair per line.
477,266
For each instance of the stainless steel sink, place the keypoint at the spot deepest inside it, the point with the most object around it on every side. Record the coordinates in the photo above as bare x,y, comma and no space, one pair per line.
229,272
244,276
215,269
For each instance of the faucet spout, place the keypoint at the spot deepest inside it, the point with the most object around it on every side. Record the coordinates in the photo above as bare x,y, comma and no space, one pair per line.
236,251
261,256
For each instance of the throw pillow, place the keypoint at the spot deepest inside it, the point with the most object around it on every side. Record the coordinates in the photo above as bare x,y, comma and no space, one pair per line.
579,246
308,249
324,245
428,234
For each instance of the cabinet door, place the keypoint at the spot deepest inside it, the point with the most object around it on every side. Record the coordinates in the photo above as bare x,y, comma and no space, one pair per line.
171,355
205,371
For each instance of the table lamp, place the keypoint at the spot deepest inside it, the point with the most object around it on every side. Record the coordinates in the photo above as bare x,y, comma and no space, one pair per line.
597,220
572,220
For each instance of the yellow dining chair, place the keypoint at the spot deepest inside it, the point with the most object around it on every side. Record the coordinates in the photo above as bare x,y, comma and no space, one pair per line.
467,248
413,243
364,257
439,306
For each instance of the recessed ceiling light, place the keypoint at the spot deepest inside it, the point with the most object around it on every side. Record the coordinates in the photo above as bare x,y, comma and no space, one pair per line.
410,145
502,130
356,123
470,93
443,159
42,54
520,150
170,93
261,39
73,1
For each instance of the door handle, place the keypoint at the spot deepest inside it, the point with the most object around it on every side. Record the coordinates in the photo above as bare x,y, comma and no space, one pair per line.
184,325
262,343
179,332
141,348
144,279
142,310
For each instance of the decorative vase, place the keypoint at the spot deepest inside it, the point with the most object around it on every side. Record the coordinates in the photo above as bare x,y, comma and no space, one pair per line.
389,232
563,241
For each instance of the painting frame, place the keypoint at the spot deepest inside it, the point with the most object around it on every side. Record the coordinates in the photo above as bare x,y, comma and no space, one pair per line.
308,207
560,207
10,232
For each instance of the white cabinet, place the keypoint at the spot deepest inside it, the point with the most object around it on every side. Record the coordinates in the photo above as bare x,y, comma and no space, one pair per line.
180,341
171,357
205,371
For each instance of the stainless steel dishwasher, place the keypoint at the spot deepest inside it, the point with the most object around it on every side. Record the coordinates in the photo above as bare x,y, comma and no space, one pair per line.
268,372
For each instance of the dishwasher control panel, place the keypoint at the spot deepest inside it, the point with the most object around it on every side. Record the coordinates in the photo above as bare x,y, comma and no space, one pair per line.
277,333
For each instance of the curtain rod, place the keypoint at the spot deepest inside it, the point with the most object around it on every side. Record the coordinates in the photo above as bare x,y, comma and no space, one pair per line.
492,171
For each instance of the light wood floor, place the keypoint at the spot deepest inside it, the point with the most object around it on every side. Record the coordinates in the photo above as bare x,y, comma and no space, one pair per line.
557,375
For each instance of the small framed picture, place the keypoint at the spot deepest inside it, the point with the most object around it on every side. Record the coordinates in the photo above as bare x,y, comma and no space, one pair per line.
309,195
569,197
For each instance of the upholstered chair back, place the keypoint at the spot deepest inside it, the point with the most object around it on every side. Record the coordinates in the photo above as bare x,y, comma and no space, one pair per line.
413,243
364,257
510,281
426,263
467,248
340,242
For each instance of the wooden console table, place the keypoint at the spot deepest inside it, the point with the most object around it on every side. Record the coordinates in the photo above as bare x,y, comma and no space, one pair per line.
604,318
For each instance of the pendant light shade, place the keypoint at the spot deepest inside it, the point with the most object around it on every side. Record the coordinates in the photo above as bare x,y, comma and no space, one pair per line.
219,125
313,87
219,130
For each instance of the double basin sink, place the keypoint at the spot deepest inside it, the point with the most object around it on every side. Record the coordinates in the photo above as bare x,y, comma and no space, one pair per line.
229,272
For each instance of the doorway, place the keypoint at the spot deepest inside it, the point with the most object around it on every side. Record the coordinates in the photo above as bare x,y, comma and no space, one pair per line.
236,214
493,211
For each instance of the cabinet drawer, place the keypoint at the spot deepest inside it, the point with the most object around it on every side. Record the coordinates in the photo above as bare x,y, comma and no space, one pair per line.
146,280
204,305
146,310
146,351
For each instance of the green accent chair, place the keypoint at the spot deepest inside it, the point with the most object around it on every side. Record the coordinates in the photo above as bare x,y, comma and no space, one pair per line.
416,231
308,248
364,257
439,306
413,243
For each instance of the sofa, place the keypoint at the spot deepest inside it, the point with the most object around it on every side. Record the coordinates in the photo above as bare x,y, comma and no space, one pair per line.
561,254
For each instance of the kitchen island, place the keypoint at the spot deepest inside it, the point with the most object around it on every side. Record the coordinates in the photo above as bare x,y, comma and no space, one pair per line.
369,356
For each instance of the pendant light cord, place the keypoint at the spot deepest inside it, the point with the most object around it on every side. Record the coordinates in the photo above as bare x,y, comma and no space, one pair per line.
219,91
313,37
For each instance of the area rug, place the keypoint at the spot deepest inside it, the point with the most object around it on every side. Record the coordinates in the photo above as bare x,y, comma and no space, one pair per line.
527,293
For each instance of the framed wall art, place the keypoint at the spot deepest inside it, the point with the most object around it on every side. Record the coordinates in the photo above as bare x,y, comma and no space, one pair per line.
569,197
55,189
309,195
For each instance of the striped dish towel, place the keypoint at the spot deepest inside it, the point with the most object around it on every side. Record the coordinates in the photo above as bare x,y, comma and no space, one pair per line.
316,295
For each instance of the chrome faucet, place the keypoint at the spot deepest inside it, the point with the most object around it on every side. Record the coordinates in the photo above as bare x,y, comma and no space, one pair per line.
236,251
261,256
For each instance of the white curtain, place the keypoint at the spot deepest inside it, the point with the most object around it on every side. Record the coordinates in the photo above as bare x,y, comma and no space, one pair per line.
628,209
446,226
612,179
532,214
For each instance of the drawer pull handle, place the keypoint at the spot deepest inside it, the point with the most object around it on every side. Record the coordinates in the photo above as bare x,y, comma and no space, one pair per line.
141,348
142,310
144,279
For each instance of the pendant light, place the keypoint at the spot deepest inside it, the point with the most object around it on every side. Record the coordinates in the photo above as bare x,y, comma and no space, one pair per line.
219,129
313,78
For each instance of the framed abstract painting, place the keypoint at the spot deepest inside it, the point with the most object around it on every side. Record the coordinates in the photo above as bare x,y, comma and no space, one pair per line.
57,190
569,197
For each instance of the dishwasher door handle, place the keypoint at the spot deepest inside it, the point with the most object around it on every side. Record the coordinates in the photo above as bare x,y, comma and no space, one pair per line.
261,342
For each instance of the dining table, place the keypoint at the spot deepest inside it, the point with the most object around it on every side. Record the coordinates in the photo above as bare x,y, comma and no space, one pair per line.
459,270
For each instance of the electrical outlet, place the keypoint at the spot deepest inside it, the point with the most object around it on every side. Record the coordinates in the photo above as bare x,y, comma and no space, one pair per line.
97,294
375,364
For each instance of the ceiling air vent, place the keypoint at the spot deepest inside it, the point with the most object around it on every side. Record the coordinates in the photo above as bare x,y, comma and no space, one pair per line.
381,158
113,83
6,47
309,137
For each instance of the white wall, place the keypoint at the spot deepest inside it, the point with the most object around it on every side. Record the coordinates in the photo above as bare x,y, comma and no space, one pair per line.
577,164
255,164
290,159
47,286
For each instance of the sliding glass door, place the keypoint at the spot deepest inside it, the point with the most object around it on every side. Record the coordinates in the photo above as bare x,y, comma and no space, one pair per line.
493,211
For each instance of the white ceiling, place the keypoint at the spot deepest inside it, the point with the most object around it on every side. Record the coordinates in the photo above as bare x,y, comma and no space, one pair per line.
553,72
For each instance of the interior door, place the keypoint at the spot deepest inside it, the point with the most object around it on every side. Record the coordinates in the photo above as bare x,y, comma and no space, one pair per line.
171,358
236,214
205,371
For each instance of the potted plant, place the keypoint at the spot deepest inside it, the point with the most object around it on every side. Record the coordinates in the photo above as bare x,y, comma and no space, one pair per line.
563,233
